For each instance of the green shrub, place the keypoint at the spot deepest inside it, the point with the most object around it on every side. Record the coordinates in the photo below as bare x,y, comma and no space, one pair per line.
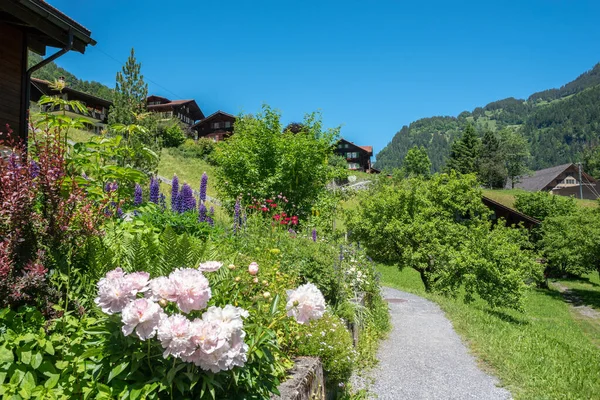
541,205
173,135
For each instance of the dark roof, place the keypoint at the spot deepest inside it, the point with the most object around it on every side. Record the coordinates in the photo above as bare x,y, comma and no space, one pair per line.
510,214
212,116
542,178
45,25
44,87
195,110
368,149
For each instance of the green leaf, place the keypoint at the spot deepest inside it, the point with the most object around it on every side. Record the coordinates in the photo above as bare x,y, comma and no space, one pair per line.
36,360
52,381
117,370
274,304
28,382
25,357
6,355
49,348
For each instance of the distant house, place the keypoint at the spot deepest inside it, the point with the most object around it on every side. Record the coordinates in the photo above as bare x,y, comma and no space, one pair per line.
97,108
187,111
358,157
216,126
562,180
30,25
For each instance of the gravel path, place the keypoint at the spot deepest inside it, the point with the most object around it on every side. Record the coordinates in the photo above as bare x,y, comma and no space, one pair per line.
424,358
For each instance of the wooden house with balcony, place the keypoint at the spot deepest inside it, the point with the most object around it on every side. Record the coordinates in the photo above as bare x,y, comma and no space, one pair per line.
97,108
187,111
358,157
217,126
30,25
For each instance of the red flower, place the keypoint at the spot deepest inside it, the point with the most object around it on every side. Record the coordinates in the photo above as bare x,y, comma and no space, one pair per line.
273,205
269,201
276,217
265,209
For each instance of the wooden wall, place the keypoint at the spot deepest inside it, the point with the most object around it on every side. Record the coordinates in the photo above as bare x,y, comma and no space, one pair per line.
11,69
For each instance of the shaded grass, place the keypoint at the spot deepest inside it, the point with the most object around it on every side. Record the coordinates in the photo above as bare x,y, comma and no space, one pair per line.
188,170
543,353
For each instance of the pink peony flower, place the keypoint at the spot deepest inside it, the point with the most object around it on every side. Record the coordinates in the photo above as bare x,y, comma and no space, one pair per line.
253,268
305,303
142,315
114,292
210,266
191,288
161,288
138,281
174,335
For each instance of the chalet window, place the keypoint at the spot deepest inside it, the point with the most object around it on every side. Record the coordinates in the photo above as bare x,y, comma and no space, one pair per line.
570,181
345,145
227,124
215,125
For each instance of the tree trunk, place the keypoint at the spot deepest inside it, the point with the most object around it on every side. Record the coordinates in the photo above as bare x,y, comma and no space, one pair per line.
425,280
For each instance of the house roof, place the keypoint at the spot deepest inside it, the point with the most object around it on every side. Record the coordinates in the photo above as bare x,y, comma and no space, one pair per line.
543,177
45,25
44,87
368,149
212,116
195,110
511,212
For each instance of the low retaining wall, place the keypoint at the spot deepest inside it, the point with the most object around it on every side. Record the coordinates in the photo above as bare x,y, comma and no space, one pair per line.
306,381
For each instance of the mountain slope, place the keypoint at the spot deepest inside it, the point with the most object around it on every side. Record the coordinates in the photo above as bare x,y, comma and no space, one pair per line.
558,123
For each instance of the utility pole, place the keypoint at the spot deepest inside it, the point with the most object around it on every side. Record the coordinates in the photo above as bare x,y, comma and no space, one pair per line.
580,183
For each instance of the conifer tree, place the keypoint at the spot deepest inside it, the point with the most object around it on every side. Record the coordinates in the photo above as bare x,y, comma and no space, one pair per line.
130,94
492,168
465,152
416,162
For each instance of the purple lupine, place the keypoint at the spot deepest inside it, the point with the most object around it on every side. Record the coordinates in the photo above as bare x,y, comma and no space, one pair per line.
202,213
211,212
34,169
314,235
162,202
210,221
84,176
188,202
178,206
154,190
137,195
174,193
119,212
111,186
203,186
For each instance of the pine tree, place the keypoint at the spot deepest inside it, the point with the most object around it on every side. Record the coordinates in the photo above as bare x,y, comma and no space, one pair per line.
416,162
492,168
465,152
130,94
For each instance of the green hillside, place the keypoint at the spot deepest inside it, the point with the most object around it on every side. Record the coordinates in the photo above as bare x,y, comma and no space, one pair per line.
558,123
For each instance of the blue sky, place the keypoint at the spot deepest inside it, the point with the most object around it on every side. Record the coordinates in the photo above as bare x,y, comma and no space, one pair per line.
369,66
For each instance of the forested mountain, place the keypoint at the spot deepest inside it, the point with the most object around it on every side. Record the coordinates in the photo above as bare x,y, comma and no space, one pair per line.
52,71
558,123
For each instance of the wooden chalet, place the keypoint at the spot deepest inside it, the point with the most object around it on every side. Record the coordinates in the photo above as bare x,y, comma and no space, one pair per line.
187,111
216,126
97,108
562,180
30,25
358,157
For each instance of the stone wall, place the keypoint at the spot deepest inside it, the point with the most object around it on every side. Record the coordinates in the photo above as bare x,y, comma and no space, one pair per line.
306,381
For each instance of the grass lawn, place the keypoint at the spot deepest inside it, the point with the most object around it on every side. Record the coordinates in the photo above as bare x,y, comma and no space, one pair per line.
547,352
507,197
188,170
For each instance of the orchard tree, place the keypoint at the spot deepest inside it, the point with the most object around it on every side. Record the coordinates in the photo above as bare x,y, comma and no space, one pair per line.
465,152
440,228
542,205
591,161
416,162
516,154
571,243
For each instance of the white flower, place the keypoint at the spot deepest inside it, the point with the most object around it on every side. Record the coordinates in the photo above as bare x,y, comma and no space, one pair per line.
161,288
305,303
114,292
210,266
142,315
174,335
191,289
138,281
